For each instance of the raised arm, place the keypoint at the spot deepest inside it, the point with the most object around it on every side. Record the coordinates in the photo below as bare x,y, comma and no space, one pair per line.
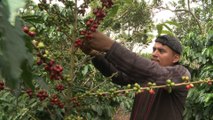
140,68
134,66
107,69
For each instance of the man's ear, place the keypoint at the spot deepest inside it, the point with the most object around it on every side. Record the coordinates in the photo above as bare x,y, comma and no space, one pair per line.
176,58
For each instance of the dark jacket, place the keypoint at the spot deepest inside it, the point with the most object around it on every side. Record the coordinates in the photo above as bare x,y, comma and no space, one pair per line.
131,68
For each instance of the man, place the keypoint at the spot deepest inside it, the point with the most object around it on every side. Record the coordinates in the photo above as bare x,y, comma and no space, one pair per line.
131,69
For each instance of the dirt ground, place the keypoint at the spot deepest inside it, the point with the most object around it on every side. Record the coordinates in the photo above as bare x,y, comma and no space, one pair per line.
121,115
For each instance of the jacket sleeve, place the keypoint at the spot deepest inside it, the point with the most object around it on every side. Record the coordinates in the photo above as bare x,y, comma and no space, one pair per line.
107,69
141,69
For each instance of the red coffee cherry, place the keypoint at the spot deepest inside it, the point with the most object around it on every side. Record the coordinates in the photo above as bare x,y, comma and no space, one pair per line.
54,100
1,85
29,92
209,82
61,105
151,91
189,86
25,29
42,95
78,43
59,87
31,33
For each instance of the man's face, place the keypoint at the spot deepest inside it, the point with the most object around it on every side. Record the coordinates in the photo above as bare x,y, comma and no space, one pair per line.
164,55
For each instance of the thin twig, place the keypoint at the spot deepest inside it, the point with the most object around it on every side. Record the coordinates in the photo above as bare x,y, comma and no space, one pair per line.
145,88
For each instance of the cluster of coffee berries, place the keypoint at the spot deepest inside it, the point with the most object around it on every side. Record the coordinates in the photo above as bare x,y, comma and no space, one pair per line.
99,13
54,100
31,32
1,85
78,42
75,102
59,87
40,58
38,45
107,3
151,90
54,70
189,86
170,83
150,84
185,78
42,95
29,92
92,24
136,88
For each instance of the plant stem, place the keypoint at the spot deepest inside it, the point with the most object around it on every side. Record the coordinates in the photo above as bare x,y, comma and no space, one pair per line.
146,88
72,60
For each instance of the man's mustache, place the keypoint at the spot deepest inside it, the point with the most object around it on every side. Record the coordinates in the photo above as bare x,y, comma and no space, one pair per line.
155,59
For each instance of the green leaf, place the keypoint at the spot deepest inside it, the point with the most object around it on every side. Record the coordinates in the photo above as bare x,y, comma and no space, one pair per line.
125,1
42,83
97,109
129,1
13,50
159,28
167,32
27,75
113,11
4,9
172,23
203,51
85,70
33,18
108,111
22,113
166,26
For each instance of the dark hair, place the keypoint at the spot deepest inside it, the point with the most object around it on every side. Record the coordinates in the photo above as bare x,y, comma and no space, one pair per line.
171,42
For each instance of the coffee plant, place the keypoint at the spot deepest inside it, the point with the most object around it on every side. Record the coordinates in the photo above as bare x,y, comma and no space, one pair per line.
59,71
199,61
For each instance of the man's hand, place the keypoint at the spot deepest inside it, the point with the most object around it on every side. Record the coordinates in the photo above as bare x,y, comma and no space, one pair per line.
89,51
100,42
